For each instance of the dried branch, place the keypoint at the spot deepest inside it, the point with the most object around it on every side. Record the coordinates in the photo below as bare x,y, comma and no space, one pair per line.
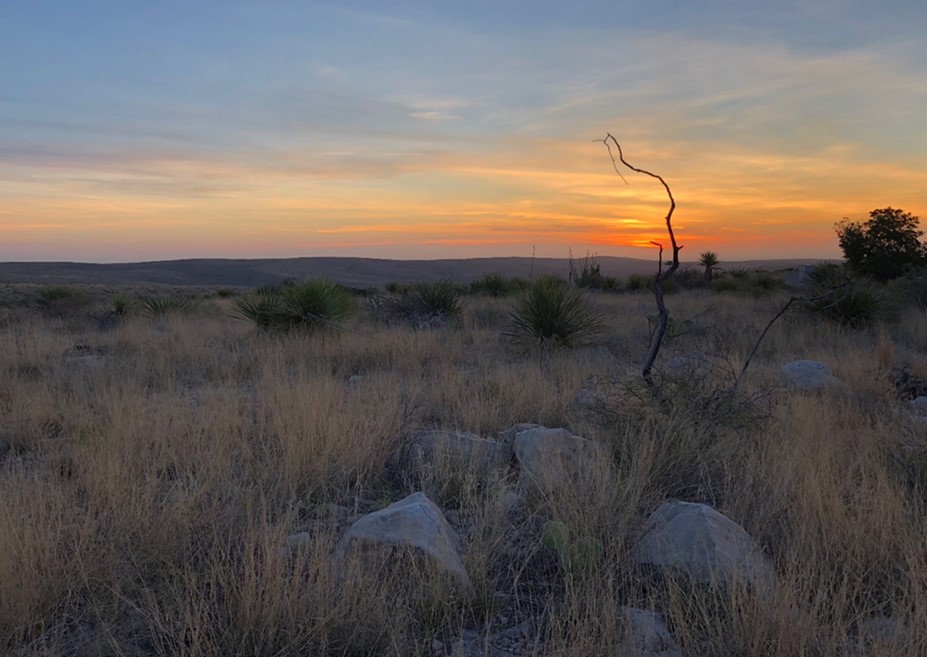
830,294
663,314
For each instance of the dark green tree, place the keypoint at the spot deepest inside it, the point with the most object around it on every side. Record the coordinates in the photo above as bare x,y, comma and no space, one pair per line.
885,246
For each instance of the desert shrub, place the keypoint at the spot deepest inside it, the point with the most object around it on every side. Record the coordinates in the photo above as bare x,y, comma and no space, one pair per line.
310,306
121,305
54,293
642,282
494,284
262,308
588,275
61,300
727,284
738,272
827,273
226,293
690,278
435,299
856,305
553,313
762,282
160,306
910,289
637,282
757,283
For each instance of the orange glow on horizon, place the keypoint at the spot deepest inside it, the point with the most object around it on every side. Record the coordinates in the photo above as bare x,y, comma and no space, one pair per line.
555,194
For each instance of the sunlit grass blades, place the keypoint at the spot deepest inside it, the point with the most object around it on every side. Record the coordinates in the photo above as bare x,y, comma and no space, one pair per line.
552,313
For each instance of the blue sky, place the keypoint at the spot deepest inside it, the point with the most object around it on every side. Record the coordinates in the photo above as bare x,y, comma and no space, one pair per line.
143,130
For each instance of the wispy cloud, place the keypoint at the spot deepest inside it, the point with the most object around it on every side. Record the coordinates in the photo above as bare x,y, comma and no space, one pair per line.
438,132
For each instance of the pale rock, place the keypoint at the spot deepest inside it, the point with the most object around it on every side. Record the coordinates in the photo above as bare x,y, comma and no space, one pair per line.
809,375
459,450
551,459
508,436
647,635
413,523
697,541
918,406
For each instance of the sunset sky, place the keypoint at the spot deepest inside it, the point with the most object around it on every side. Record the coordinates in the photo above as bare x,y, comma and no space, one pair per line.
142,130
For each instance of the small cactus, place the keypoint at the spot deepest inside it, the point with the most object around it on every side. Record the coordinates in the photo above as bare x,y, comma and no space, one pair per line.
581,554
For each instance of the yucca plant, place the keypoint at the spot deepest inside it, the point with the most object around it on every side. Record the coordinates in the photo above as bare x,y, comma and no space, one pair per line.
435,299
315,304
854,306
166,305
121,305
312,305
262,308
553,313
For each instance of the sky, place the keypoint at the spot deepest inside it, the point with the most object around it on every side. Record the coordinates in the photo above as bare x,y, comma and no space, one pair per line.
149,130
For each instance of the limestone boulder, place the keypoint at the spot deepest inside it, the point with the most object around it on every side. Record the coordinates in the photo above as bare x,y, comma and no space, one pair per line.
918,406
809,375
508,436
696,541
880,635
459,450
413,524
551,460
647,635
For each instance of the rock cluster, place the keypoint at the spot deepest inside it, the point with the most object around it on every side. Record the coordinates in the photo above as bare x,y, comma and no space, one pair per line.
680,539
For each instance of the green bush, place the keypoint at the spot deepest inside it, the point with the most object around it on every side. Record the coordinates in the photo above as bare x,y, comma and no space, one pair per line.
551,312
310,306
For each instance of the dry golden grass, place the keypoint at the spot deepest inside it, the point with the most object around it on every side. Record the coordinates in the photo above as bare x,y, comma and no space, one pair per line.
156,470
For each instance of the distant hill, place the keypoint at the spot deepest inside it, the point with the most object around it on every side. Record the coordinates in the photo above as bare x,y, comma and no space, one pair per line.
360,272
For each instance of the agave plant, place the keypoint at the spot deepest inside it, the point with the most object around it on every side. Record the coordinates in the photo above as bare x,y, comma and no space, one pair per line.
553,313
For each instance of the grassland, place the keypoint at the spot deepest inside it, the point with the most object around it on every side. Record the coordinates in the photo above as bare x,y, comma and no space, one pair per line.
155,471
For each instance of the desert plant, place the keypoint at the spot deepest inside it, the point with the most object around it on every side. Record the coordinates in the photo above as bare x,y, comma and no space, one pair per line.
582,553
551,312
262,308
52,293
637,282
885,246
312,305
435,299
708,260
857,305
494,284
121,305
160,306
764,282
738,272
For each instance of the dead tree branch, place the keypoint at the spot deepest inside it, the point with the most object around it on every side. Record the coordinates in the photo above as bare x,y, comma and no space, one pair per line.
663,315
832,294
